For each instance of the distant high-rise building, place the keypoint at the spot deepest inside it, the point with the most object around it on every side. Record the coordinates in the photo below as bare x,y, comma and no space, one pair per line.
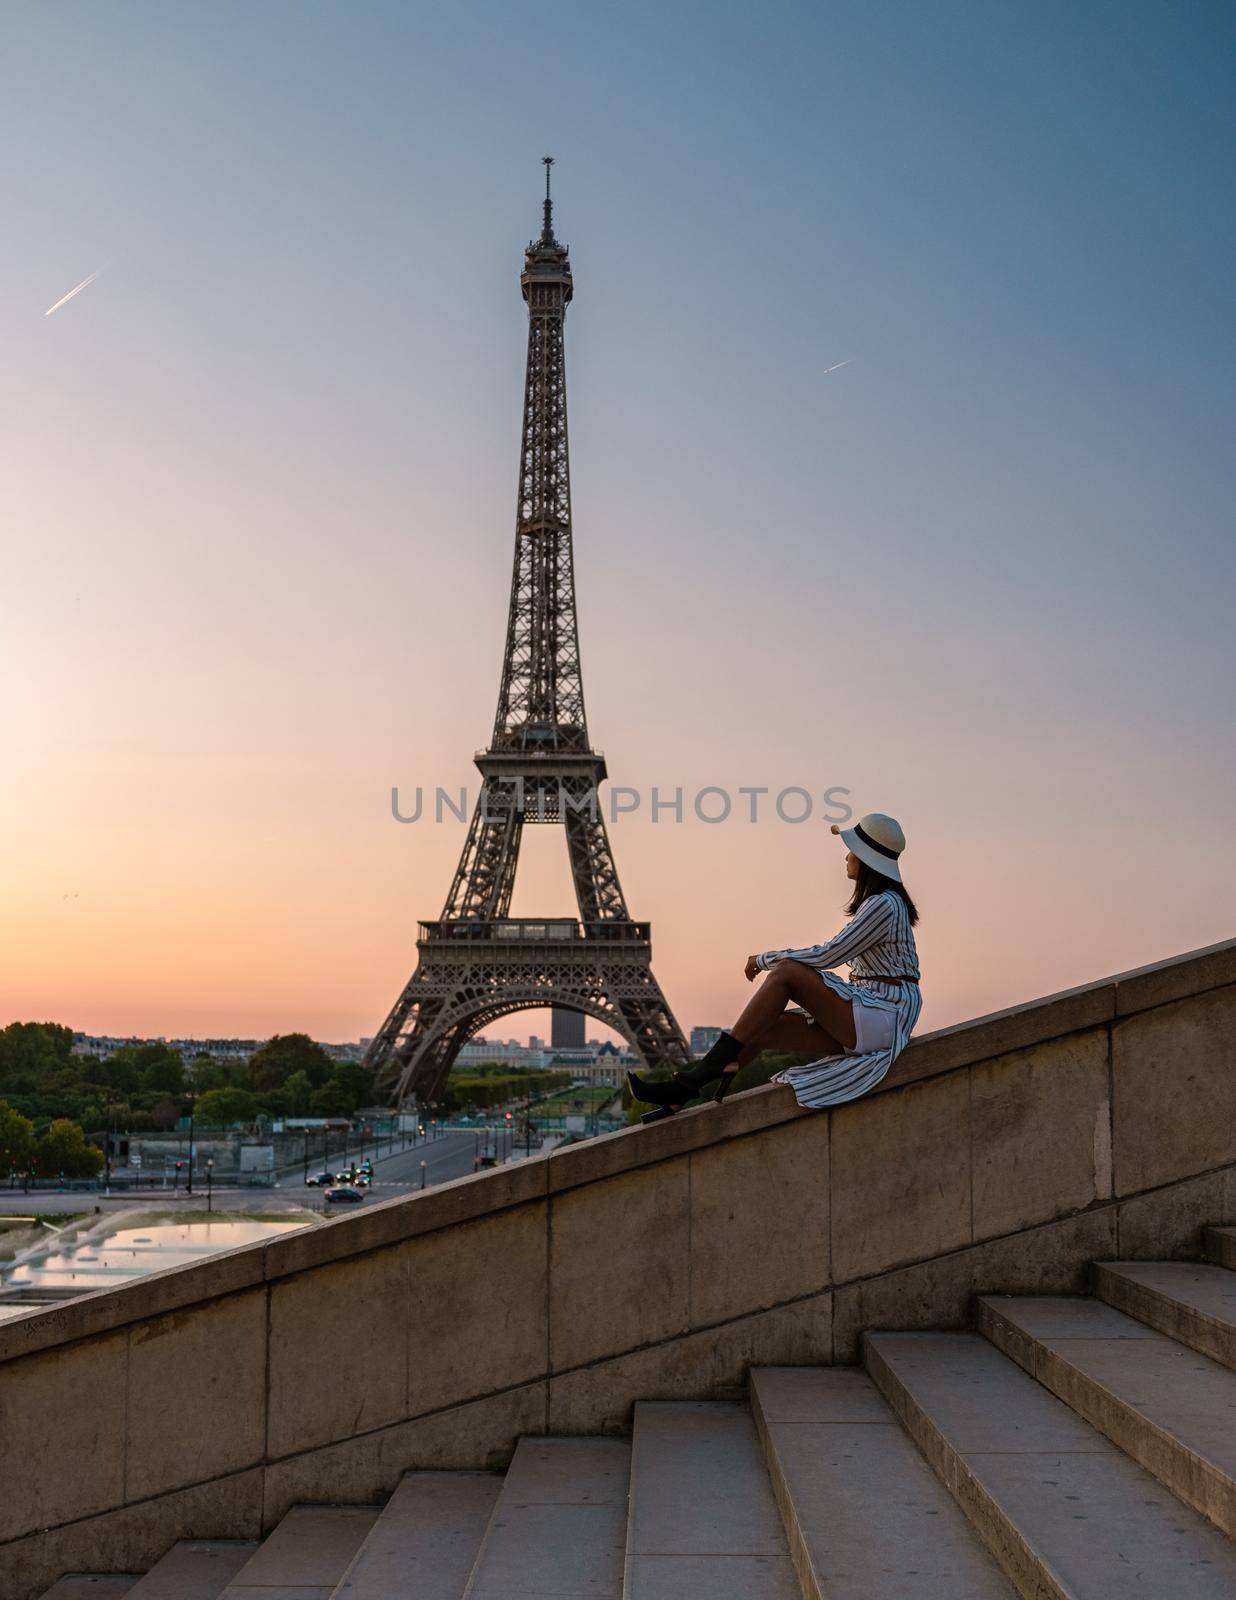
703,1039
566,1031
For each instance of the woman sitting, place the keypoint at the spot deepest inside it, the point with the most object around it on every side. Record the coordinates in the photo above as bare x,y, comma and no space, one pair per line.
857,1028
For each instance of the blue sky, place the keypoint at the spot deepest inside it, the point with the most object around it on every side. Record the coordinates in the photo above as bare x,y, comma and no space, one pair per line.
257,481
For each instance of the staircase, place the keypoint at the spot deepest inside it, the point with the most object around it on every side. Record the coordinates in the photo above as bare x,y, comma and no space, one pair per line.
1070,1449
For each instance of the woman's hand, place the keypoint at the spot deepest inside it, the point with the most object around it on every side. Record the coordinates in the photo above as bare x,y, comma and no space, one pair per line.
751,969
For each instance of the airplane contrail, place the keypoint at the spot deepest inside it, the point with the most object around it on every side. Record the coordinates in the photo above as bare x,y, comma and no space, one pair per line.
824,374
84,284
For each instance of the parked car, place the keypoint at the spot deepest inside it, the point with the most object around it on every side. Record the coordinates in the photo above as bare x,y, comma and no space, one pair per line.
347,1196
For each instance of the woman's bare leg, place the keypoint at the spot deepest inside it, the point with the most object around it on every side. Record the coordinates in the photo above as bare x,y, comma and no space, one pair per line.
793,983
790,1033
763,1024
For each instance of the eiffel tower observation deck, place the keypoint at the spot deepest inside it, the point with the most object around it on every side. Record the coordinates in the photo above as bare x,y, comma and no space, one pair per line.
476,962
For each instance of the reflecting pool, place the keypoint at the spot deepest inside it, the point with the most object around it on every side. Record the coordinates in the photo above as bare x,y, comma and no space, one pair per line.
80,1260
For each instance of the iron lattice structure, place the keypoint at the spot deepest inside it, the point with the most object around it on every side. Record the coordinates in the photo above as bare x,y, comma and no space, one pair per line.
477,963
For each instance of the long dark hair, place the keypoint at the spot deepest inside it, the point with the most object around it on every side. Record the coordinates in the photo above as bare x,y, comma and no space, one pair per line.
870,882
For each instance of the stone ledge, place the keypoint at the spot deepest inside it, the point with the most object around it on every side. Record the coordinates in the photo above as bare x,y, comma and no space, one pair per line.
1212,967
1034,1022
477,1194
393,1221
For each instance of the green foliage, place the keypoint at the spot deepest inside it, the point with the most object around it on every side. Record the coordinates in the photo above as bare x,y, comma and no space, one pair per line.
120,1073
63,1151
297,1094
16,1140
356,1082
285,1054
145,1087
163,1115
219,1108
331,1100
30,1052
154,1066
484,1089
164,1077
206,1073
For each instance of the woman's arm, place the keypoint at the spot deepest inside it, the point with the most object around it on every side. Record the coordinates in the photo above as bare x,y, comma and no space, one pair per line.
870,923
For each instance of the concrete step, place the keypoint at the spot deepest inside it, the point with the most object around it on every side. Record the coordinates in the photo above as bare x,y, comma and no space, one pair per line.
306,1555
559,1525
866,1517
1065,1513
426,1540
1170,1409
83,1586
702,1520
1221,1246
1191,1301
194,1569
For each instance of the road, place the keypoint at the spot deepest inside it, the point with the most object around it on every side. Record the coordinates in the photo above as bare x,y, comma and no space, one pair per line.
450,1156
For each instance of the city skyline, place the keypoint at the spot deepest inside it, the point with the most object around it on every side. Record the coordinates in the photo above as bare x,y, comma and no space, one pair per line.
900,395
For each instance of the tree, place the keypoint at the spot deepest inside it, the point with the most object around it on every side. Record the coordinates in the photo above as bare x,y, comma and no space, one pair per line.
63,1149
16,1140
156,1067
163,1115
330,1101
164,1077
30,1052
297,1092
355,1081
271,1066
118,1072
207,1074
219,1108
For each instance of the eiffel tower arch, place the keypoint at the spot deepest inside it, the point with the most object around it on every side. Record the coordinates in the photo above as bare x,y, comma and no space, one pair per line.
477,963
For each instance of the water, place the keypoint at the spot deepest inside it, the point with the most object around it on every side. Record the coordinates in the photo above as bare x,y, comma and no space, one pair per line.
108,1255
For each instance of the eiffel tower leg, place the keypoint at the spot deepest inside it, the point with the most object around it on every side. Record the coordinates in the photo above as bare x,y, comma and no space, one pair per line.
597,889
652,1030
485,875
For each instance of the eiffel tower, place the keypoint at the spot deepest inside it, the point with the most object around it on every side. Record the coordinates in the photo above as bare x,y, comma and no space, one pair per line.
477,963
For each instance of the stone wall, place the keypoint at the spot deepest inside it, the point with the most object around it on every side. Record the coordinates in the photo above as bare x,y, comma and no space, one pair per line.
1003,1154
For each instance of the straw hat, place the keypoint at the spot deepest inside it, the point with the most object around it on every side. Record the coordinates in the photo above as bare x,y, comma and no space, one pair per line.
877,840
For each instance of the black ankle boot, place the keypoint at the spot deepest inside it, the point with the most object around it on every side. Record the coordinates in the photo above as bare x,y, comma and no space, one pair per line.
674,1091
685,1084
711,1065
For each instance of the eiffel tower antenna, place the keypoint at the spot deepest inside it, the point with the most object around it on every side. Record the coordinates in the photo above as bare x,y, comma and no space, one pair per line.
477,963
547,231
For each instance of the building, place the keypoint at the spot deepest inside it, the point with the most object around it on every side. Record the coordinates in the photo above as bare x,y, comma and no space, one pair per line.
703,1039
508,1051
566,1029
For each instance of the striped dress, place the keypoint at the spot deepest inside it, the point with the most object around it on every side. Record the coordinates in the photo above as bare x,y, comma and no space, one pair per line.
878,938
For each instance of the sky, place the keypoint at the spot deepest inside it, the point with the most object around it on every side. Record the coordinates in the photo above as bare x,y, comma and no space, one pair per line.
257,481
